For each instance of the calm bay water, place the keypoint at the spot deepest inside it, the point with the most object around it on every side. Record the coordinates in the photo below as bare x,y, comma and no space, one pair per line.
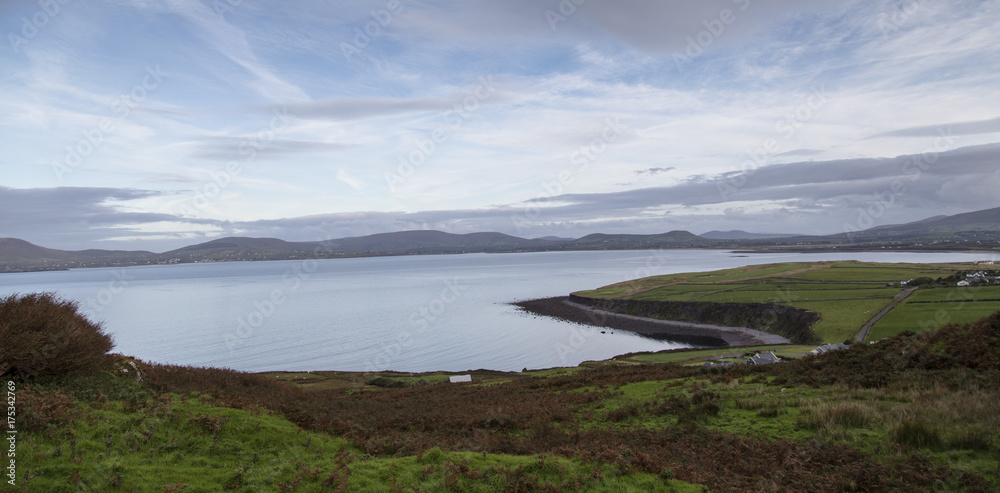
414,313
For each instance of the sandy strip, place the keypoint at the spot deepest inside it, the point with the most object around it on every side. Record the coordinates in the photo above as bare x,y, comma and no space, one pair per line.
686,332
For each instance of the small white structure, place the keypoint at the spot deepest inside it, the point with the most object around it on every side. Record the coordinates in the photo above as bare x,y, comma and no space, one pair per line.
829,347
460,378
963,284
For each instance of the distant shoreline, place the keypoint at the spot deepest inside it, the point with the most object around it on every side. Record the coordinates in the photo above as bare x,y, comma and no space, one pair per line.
685,332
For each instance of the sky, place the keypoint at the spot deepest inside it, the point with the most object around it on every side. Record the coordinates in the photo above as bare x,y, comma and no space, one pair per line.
151,125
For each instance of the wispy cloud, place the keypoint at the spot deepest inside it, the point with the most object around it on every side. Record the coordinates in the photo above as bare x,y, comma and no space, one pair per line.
237,148
700,89
654,171
957,128
955,182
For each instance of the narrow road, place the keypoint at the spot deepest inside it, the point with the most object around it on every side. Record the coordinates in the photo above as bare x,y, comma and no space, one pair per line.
895,301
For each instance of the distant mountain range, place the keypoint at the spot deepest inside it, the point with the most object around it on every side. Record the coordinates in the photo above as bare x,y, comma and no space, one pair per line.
742,235
978,230
985,220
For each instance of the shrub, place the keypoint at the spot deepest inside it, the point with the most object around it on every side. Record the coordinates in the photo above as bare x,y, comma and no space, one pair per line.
386,383
918,434
46,335
971,440
40,409
771,411
623,414
838,415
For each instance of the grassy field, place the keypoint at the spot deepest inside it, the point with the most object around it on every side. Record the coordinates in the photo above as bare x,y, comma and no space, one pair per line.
120,435
984,293
701,355
920,317
846,294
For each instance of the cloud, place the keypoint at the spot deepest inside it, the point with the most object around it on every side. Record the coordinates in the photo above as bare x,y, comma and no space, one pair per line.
665,26
958,128
654,26
654,171
74,217
800,152
232,42
883,69
806,197
346,109
823,181
236,148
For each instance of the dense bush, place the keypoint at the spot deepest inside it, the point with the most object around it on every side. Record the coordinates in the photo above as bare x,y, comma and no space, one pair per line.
920,281
45,335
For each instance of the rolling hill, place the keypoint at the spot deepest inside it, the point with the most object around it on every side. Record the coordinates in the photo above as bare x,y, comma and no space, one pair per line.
742,235
978,230
978,221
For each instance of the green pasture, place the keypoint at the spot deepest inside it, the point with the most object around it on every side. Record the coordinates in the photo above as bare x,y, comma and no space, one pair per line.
680,292
921,317
642,285
880,272
841,320
701,355
791,294
846,294
971,293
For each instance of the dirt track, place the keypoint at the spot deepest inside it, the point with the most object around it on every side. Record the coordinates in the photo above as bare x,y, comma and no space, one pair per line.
691,333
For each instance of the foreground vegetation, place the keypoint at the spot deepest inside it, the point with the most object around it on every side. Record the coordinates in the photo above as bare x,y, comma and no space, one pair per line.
914,412
845,294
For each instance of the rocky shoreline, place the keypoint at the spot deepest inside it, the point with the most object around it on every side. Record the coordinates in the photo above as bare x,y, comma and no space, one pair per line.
690,333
